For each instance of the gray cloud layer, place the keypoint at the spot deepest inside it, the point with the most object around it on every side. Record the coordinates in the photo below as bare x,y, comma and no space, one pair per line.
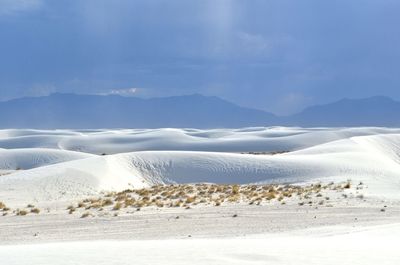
275,55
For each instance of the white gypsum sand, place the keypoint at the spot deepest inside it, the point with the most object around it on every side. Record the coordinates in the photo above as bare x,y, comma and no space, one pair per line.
373,245
53,169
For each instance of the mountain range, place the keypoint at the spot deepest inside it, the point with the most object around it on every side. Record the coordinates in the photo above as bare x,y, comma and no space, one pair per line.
73,111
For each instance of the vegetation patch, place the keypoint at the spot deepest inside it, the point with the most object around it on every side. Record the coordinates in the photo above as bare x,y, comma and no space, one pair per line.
188,196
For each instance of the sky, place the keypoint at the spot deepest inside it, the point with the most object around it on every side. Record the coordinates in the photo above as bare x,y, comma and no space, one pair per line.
275,55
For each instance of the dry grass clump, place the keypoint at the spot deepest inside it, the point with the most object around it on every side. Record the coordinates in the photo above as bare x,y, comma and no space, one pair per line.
189,195
21,212
190,200
71,209
35,210
107,202
347,185
4,208
117,206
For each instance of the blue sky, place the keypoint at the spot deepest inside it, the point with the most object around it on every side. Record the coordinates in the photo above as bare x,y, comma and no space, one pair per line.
276,55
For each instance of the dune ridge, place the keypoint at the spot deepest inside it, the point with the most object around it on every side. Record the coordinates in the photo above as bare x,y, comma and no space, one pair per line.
372,159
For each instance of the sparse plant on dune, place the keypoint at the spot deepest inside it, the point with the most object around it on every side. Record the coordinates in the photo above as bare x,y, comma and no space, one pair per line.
21,212
235,189
129,202
190,199
347,185
107,202
233,198
35,210
270,195
117,206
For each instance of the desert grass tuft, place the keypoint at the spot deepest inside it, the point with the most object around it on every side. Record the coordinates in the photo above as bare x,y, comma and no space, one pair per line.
117,206
21,212
190,195
35,210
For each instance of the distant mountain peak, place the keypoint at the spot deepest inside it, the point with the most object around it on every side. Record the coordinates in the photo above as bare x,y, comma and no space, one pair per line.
371,111
68,110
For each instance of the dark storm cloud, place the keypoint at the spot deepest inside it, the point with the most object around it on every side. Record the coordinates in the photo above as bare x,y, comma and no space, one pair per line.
275,55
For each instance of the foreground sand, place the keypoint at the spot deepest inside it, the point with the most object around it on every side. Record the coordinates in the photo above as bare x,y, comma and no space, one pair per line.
350,232
371,245
226,221
346,228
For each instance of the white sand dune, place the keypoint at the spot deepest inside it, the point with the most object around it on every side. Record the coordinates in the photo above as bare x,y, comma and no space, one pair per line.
216,140
63,166
372,160
35,157
68,180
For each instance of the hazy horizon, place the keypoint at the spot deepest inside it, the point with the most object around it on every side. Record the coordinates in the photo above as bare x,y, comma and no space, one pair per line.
193,94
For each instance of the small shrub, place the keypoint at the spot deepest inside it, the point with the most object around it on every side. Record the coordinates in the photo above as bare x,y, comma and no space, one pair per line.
22,212
117,206
107,202
177,204
190,199
270,195
235,189
347,185
234,198
35,210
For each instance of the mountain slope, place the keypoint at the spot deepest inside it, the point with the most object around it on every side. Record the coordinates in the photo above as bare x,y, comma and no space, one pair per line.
193,111
94,111
374,111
